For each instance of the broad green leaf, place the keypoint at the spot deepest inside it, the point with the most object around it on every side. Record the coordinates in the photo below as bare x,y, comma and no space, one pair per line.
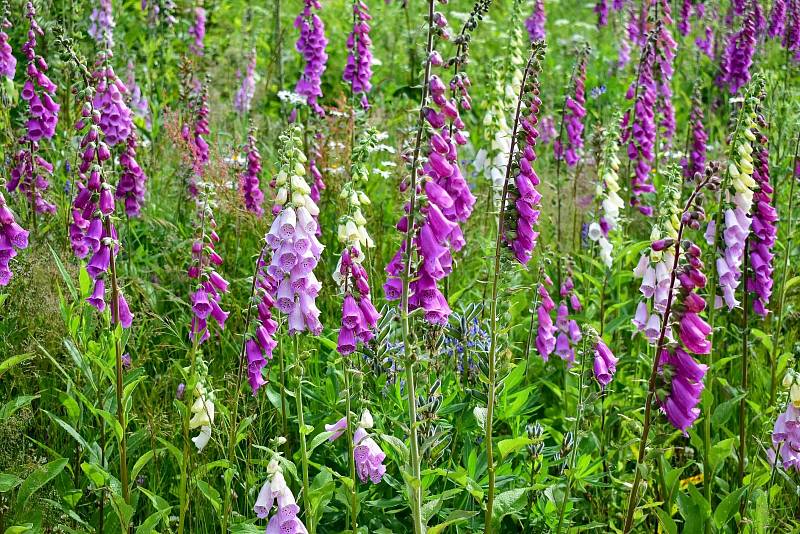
667,523
210,493
64,275
318,440
142,461
9,363
727,508
508,502
8,482
455,517
398,446
39,478
96,474
74,433
507,446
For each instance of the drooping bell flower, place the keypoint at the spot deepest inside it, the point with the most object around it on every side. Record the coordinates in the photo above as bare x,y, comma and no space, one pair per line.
696,161
574,113
8,63
29,169
605,363
358,70
197,32
737,58
13,238
101,25
311,45
249,181
247,87
202,416
535,24
763,231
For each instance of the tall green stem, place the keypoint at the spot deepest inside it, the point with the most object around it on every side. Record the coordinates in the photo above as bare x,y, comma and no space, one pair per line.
350,456
415,482
492,356
188,401
309,516
651,388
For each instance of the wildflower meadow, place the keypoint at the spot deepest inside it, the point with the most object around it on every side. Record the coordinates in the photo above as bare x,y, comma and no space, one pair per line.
395,266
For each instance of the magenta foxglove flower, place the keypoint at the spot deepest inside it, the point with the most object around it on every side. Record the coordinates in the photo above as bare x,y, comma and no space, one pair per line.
791,37
337,428
777,19
738,55
763,232
101,25
249,182
13,238
523,198
786,438
358,70
292,237
197,31
359,316
601,10
639,128
682,374
311,45
261,342
545,333
605,364
448,200
696,161
30,170
8,63
535,24
92,231
247,88
139,104
574,113
276,492
368,457
706,42
684,23
667,48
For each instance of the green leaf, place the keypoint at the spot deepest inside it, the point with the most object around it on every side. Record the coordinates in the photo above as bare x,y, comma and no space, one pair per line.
210,493
39,478
64,275
74,433
456,516
142,461
176,453
507,446
123,510
719,452
8,482
27,528
667,523
318,440
727,508
398,446
724,411
508,502
7,364
96,474
12,406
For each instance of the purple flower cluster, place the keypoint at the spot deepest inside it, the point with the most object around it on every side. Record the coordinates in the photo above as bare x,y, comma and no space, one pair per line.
211,286
8,63
139,104
247,89
367,454
358,70
684,376
777,19
696,162
574,113
317,184
92,230
666,47
535,24
684,25
260,345
311,45
449,201
276,492
786,438
12,239
601,9
523,198
296,252
569,333
249,182
29,169
639,128
738,55
764,232
605,363
706,43
359,316
791,37
101,25
197,31
116,121
546,332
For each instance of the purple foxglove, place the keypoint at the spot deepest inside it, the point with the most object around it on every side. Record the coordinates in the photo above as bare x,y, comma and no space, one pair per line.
311,45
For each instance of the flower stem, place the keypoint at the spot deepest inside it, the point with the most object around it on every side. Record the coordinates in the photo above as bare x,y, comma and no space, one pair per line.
309,517
188,393
415,484
492,356
351,458
237,393
575,430
651,388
